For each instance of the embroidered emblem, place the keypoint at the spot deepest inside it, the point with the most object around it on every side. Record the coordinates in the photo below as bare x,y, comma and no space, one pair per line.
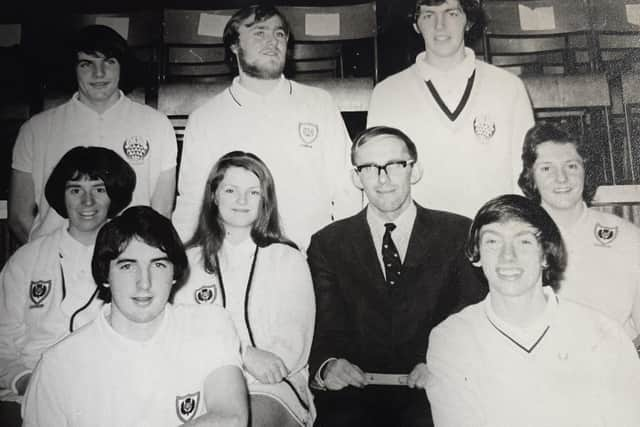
187,406
136,148
484,127
308,133
205,294
38,291
605,235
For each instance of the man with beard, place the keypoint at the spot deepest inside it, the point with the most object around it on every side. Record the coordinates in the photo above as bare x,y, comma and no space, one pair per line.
295,129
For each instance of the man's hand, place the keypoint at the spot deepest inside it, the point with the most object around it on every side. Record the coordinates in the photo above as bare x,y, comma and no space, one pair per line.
264,365
340,373
418,376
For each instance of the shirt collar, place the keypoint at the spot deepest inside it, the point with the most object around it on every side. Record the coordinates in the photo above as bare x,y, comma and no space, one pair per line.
404,223
70,248
460,73
76,101
245,97
528,336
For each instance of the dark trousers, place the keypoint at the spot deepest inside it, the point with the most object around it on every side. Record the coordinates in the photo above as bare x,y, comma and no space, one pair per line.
10,414
373,406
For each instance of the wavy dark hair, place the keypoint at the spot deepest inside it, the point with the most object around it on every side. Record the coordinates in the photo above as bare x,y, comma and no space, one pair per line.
144,223
548,132
210,232
92,163
512,207
472,10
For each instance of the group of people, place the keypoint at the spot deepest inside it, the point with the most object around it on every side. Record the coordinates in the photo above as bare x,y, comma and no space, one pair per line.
303,278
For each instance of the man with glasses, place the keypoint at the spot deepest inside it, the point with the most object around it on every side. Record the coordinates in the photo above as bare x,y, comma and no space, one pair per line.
383,279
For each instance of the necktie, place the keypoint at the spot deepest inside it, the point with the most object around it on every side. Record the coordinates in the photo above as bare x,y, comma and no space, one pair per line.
390,256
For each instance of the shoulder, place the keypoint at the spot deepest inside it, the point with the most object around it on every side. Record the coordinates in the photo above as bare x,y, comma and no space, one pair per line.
614,227
28,252
137,111
588,325
458,328
203,321
77,346
45,117
396,80
309,92
499,76
340,228
442,220
215,104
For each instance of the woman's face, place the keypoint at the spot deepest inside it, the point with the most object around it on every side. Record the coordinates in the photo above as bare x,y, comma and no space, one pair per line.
238,197
87,204
558,174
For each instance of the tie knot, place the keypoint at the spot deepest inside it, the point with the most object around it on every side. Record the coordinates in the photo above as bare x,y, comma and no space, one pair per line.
389,226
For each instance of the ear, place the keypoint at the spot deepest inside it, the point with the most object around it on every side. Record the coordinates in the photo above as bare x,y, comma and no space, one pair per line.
477,263
355,178
416,172
415,28
106,284
234,48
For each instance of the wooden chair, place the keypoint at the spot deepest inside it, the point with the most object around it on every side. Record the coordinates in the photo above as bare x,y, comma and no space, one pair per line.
193,49
539,36
584,101
322,34
616,26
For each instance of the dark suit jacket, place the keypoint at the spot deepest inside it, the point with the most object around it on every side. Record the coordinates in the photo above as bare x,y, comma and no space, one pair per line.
377,327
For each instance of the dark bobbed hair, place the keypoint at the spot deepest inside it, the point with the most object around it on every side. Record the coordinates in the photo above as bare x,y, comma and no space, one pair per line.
147,225
260,13
548,132
512,207
101,39
210,232
91,163
376,131
472,10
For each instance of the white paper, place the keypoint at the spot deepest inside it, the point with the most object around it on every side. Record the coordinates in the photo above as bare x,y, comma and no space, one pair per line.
10,34
322,24
212,25
536,19
118,23
633,13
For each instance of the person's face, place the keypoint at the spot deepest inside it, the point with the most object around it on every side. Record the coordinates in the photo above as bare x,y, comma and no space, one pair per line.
261,48
389,192
511,258
442,28
98,78
238,197
558,175
140,279
87,204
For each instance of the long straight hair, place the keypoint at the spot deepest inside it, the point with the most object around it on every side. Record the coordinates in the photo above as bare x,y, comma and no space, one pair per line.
210,232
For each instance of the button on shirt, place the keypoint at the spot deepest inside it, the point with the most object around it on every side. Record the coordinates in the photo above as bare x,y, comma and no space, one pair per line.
400,235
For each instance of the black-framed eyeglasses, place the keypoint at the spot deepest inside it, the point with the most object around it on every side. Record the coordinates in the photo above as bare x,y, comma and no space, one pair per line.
392,169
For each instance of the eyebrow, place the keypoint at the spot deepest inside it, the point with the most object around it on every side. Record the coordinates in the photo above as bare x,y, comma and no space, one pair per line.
128,260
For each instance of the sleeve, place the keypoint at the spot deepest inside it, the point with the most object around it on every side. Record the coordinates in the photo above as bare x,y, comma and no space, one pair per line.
14,282
377,106
453,397
294,311
23,149
522,121
333,335
192,177
43,401
346,199
224,345
167,137
624,408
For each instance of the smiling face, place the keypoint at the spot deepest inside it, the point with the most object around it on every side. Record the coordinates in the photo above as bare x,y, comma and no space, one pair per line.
87,204
558,175
389,193
98,79
261,48
442,28
511,258
140,279
238,197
